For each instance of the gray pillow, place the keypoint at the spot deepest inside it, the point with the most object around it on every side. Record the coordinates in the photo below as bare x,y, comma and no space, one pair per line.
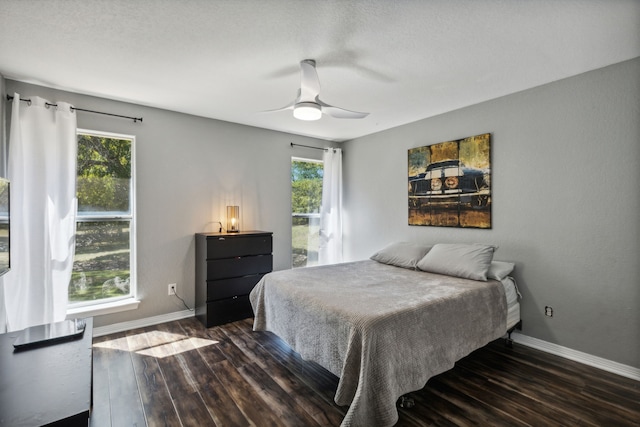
401,254
499,270
469,261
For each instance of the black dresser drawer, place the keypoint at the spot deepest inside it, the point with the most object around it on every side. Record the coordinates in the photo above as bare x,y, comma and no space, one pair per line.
227,288
227,247
240,266
228,310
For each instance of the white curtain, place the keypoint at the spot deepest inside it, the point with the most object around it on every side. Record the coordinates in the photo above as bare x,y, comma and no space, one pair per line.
42,170
330,247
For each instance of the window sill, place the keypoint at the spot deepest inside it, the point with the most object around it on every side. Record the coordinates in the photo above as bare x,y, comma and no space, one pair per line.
106,308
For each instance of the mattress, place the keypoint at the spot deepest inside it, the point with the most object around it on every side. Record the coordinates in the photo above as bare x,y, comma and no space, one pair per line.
513,306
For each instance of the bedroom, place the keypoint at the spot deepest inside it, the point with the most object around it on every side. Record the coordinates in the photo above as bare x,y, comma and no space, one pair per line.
565,155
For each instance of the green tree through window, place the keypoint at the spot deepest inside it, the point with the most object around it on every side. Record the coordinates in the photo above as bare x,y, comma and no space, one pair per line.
103,257
306,199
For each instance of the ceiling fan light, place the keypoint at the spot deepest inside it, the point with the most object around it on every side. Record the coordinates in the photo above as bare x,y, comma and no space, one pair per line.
307,111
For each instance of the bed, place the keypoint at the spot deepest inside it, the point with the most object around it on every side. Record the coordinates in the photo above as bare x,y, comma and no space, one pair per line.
383,328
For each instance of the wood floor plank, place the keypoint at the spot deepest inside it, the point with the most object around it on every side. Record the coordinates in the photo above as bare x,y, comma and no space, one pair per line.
627,408
243,393
222,407
561,395
323,413
442,410
220,404
411,418
495,399
125,404
459,392
184,389
210,350
230,351
230,375
101,413
281,403
566,385
479,383
154,392
192,410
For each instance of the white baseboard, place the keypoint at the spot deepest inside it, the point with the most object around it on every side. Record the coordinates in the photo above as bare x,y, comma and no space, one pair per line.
141,323
578,356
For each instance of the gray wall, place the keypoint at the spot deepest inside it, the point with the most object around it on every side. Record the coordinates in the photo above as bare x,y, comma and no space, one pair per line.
566,173
188,169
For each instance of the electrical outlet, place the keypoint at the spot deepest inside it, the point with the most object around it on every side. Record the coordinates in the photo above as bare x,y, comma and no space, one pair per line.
548,311
173,287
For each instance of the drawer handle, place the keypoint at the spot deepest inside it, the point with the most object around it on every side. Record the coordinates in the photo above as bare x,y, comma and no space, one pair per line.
220,238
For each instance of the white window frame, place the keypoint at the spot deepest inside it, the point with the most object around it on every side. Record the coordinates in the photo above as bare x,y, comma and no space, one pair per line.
302,215
125,302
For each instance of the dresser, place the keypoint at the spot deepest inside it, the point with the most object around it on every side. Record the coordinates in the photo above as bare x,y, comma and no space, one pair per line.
228,266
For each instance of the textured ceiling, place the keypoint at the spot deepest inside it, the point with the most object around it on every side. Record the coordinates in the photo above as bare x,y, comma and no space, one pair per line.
401,61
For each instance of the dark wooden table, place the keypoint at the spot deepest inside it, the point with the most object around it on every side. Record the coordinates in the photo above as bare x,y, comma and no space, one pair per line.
49,385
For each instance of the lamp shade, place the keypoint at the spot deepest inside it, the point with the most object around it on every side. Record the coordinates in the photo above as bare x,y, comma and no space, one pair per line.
233,219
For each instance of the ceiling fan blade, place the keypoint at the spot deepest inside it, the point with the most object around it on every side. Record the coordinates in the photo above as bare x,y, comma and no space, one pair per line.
340,113
309,82
289,106
286,107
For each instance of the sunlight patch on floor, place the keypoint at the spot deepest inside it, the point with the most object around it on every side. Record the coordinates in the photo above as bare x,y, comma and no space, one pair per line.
157,344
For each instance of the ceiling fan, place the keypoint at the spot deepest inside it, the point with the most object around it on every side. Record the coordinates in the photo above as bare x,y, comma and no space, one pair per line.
307,105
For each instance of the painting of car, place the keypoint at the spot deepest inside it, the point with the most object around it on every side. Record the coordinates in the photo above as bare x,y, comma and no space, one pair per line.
450,181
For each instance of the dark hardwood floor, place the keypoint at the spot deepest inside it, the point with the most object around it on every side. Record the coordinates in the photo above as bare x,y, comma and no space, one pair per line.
181,374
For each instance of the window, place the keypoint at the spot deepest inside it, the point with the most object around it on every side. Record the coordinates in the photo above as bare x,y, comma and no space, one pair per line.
104,262
306,198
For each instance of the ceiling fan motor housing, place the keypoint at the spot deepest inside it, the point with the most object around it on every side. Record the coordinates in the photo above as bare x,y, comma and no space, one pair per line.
307,111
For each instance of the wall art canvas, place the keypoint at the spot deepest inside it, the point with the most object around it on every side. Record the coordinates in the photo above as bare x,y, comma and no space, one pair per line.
450,183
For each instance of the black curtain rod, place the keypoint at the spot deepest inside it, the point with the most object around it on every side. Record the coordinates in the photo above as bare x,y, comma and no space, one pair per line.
135,119
308,146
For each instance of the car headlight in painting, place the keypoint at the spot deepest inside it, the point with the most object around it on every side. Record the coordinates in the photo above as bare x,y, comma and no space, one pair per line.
451,182
436,184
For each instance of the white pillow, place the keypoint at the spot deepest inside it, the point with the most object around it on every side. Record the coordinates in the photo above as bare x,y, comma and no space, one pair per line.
469,261
401,254
499,270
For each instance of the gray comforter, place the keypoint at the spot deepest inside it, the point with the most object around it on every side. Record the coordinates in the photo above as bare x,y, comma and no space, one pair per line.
383,330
